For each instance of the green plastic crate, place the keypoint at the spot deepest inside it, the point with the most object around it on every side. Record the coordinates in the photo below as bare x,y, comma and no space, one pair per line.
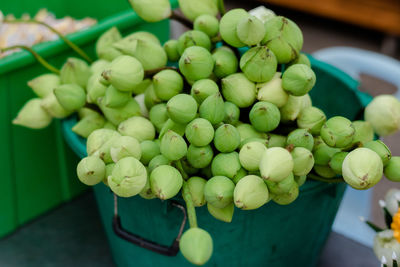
38,169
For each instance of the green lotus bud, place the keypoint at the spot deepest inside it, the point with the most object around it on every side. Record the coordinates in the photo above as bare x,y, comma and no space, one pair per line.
272,92
98,138
156,11
171,125
70,96
236,88
392,169
128,178
196,188
232,113
226,164
200,157
141,88
250,30
381,149
114,98
281,187
150,97
193,38
362,168
298,79
227,138
276,164
258,64
248,131
253,139
88,124
323,154
318,142
95,89
140,35
301,138
104,44
171,49
86,112
196,63
199,132
250,193
276,140
312,119
44,84
158,115
250,155
120,114
287,198
264,116
149,150
384,114
165,181
303,161
109,169
33,115
91,170
223,214
202,89
137,127
301,59
146,192
182,108
337,132
284,38
218,191
173,146
391,200
213,109
324,171
208,24
228,26
239,175
386,245
124,73
158,161
150,55
75,71
300,180
196,245
188,168
167,83
99,66
193,9
125,146
294,105
336,162
109,125
363,132
226,62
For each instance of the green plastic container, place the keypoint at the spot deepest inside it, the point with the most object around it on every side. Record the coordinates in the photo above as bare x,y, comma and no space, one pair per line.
37,167
272,236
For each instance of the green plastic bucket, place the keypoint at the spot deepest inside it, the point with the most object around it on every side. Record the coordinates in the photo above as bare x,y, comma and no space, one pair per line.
271,236
37,167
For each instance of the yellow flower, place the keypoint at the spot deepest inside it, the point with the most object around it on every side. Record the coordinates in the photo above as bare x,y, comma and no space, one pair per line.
396,225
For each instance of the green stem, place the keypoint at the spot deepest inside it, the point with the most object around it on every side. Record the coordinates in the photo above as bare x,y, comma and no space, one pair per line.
326,180
36,55
221,7
60,35
189,205
374,226
178,165
181,19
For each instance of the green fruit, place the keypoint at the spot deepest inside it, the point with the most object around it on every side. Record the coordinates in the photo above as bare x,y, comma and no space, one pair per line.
165,181
157,161
196,245
276,164
193,38
44,84
213,109
324,171
182,108
158,116
99,66
146,192
239,175
301,59
156,11
337,132
128,178
300,180
91,170
227,138
250,30
336,162
362,168
98,138
140,35
303,161
253,139
250,155
363,132
51,105
114,98
250,193
200,157
88,124
137,127
202,89
228,26
324,153
298,79
171,125
226,164
95,89
218,191
120,114
193,8
109,125
264,116
381,149
258,64
104,44
223,214
196,63
75,71
248,131
125,146
236,88
187,168
311,119
208,24
109,169
272,92
196,188
33,115
276,140
294,105
287,198
150,97
171,49
199,132
173,146
70,96
232,113
300,138
226,62
149,149
392,169
282,187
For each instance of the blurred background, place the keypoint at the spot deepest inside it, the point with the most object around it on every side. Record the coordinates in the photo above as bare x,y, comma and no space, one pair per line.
72,234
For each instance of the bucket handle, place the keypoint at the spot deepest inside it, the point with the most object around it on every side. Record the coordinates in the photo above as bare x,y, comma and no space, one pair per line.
144,243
